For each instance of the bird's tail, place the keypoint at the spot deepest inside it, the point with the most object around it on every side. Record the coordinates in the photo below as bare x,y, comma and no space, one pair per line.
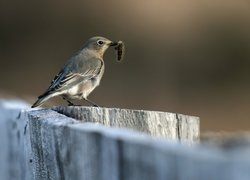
42,99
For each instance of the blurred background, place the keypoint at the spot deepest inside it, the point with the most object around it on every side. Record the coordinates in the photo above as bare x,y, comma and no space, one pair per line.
190,57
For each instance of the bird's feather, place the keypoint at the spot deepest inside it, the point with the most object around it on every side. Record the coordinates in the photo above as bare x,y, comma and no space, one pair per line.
76,71
84,71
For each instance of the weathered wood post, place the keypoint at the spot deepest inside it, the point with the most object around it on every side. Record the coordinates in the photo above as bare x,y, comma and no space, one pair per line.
43,144
13,151
155,123
63,146
70,143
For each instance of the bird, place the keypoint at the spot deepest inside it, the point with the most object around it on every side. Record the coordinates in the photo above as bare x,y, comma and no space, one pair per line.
81,74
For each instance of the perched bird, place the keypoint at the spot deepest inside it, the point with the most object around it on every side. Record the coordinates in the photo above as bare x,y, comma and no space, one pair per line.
81,74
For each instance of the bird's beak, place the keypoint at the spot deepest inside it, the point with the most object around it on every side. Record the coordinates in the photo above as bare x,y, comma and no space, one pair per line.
113,44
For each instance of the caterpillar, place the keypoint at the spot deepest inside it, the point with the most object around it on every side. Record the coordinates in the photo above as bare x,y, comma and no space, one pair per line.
120,48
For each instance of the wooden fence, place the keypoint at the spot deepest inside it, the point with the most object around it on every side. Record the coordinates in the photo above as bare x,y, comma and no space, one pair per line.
109,144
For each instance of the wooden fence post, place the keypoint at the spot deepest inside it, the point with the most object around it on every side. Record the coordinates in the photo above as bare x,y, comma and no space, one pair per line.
13,155
155,123
43,144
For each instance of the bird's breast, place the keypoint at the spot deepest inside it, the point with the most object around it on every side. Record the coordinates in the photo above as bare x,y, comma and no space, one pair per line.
83,89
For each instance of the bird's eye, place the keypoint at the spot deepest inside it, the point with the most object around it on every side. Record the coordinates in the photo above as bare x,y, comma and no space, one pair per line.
100,42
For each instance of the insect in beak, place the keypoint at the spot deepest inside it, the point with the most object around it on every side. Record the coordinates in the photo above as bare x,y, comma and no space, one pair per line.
120,48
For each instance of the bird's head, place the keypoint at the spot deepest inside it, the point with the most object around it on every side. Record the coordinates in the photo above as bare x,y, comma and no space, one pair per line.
99,44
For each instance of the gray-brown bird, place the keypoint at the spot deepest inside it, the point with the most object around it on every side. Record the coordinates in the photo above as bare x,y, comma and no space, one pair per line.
81,74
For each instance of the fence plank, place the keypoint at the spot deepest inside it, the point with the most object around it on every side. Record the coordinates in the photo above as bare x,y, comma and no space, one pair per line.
64,150
13,156
54,146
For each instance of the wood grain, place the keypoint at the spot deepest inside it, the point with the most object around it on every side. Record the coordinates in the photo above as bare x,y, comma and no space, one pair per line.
155,123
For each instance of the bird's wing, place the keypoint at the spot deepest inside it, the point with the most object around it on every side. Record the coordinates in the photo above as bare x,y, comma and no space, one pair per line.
75,73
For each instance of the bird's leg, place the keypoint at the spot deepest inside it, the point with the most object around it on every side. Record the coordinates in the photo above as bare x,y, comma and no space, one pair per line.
69,103
91,102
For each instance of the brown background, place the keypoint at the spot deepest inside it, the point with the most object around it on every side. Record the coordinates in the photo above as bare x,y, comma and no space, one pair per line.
190,57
